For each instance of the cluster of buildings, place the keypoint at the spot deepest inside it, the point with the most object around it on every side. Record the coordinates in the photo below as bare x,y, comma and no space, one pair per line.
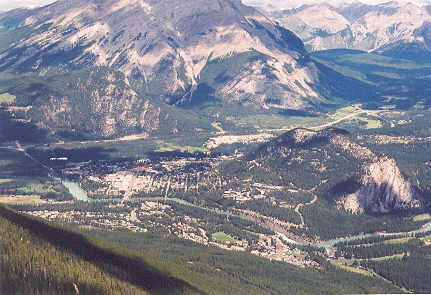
255,191
145,177
273,248
186,231
152,215
109,221
137,181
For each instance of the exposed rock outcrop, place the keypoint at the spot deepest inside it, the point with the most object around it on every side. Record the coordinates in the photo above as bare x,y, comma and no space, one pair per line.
393,28
383,189
170,49
341,170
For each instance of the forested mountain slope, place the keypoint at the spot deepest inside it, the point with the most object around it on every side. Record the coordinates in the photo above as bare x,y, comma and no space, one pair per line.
38,258
135,66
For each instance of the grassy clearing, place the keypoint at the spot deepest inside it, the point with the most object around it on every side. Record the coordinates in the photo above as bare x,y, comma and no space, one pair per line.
5,162
170,147
271,122
356,270
264,121
21,200
345,111
397,241
397,256
422,217
133,149
370,121
222,237
7,98
349,262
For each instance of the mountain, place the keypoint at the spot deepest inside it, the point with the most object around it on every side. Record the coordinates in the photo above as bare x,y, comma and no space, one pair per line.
332,164
393,28
86,103
407,79
181,54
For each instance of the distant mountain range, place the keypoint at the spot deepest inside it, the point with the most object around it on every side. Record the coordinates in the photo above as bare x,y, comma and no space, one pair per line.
393,28
162,53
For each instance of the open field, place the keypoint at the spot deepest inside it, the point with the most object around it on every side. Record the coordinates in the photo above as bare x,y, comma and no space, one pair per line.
397,241
357,270
222,237
397,256
7,98
354,114
170,147
349,262
422,217
21,200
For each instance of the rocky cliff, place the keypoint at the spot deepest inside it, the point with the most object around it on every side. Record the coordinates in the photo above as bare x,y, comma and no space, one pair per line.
168,49
331,164
383,189
395,28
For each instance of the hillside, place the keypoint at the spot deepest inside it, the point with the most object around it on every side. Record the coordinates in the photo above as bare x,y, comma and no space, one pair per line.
86,103
38,258
393,28
320,185
331,163
397,83
104,69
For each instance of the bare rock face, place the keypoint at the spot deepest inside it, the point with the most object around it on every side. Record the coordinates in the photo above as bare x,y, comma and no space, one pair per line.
332,164
383,189
392,27
168,48
100,104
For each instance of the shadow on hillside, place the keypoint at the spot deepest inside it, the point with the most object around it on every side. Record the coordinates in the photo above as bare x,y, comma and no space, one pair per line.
131,268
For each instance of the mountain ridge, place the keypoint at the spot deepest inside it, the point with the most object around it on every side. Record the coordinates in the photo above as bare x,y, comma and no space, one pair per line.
115,35
379,28
357,179
175,56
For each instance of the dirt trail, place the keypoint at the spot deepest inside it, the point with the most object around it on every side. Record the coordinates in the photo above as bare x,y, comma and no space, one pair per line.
297,209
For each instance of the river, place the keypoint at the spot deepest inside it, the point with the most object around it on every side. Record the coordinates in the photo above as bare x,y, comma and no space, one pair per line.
79,194
331,243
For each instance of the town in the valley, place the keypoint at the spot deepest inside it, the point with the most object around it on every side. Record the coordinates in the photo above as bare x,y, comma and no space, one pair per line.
181,195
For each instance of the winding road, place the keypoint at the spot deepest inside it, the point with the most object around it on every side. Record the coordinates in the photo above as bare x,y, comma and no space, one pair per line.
302,205
325,244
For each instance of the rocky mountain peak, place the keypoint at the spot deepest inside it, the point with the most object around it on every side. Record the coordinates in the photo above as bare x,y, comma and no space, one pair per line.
166,49
303,137
381,28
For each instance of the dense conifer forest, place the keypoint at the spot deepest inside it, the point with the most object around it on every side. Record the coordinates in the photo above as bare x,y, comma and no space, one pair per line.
39,258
